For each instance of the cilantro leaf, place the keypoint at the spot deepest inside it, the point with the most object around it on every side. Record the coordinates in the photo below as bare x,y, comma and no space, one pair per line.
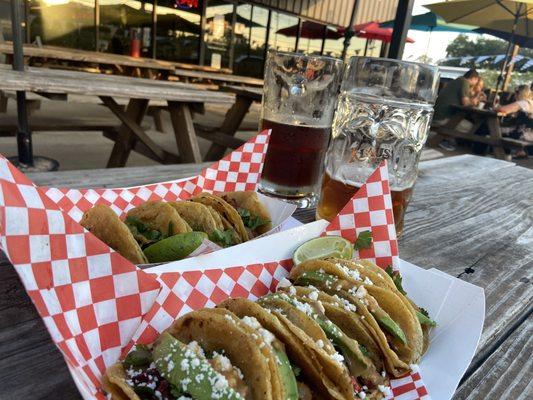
222,238
139,228
396,278
250,221
364,350
363,241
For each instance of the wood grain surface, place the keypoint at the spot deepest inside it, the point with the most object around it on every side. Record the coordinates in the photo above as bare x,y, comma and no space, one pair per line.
471,217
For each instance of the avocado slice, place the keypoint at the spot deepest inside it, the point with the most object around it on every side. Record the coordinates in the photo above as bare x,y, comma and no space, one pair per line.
288,380
189,372
175,247
390,326
425,320
316,278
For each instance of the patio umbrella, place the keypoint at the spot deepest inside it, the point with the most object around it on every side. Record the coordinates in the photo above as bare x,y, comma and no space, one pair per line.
431,22
511,16
372,31
311,30
522,41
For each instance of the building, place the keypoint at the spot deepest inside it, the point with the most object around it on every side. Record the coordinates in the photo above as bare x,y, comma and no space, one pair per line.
223,33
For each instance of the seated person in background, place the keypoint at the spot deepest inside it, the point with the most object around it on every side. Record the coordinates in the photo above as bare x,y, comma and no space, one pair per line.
477,95
456,92
522,123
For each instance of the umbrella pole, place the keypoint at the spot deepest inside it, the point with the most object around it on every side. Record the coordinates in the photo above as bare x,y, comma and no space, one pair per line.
508,51
24,144
349,32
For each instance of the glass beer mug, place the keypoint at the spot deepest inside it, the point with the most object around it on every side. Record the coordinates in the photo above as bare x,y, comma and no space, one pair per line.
383,112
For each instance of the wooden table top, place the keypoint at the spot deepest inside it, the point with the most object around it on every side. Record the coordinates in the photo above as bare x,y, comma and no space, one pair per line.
96,57
35,79
479,111
470,216
218,77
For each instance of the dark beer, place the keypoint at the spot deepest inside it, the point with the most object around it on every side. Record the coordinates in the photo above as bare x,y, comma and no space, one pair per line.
294,158
335,195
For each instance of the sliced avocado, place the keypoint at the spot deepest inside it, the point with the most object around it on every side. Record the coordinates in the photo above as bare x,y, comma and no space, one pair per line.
189,372
392,327
141,356
175,247
424,320
288,380
316,278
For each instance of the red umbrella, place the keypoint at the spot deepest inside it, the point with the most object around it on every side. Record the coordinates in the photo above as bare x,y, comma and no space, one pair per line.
372,30
311,30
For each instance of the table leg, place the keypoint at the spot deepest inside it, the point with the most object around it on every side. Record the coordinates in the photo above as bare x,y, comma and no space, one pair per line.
231,123
126,139
496,135
181,118
3,102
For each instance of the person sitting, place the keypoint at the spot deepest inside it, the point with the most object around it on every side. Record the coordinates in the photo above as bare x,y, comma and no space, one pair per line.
522,122
456,92
477,95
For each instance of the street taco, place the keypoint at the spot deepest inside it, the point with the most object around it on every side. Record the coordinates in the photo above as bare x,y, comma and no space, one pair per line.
153,221
386,317
196,215
194,360
102,222
254,214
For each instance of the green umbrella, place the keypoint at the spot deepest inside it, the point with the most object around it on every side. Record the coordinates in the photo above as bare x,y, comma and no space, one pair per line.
431,22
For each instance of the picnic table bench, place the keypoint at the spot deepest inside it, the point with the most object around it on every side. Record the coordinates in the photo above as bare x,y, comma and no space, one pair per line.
180,100
188,75
470,217
479,116
93,61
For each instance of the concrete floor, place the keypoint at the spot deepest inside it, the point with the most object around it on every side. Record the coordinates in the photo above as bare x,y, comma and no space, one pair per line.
87,150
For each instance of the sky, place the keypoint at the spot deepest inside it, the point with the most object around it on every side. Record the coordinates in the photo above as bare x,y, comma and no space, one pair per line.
433,45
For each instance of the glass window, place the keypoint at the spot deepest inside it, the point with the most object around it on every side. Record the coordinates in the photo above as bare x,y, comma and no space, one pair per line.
125,27
66,23
218,32
250,37
311,37
283,31
178,30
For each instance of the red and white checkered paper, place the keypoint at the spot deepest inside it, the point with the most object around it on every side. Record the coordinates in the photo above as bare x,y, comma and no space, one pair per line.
95,303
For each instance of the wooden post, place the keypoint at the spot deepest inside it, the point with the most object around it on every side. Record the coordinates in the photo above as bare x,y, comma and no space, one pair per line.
510,67
402,22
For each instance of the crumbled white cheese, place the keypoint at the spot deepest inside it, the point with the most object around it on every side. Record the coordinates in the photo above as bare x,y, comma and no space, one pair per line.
383,374
361,395
268,337
337,357
292,290
385,390
320,343
184,365
252,322
367,281
414,368
361,292
313,295
283,283
223,361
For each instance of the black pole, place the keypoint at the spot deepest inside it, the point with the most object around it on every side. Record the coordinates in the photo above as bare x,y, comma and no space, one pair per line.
402,22
349,32
24,144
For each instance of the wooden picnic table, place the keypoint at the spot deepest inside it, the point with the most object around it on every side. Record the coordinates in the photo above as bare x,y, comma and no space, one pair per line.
180,100
470,217
54,56
188,75
478,116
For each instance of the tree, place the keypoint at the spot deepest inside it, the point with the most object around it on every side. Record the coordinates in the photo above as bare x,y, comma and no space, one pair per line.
462,46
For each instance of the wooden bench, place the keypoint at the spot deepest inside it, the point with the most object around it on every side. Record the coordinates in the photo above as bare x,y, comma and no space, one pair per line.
492,120
180,99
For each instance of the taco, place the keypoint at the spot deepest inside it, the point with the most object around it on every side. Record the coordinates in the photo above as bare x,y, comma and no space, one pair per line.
102,222
391,280
343,357
234,231
192,358
254,214
390,322
196,215
313,380
153,221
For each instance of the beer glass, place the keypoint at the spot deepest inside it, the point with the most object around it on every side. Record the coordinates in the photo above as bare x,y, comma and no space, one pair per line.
298,104
383,112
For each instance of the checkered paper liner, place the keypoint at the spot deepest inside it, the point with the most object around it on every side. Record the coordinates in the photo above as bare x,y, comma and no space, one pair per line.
95,303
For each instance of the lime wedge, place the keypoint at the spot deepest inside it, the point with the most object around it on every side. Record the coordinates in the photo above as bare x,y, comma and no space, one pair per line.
325,246
174,247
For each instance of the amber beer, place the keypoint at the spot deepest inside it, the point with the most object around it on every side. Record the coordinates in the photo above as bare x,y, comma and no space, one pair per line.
293,163
336,194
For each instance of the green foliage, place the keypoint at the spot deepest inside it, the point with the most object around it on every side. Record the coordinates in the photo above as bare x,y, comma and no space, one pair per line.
463,46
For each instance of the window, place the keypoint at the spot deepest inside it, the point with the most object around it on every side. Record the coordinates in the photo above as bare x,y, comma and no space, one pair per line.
178,30
218,34
66,23
250,40
125,27
283,32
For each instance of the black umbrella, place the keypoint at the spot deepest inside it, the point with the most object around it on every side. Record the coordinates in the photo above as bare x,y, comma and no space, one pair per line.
25,160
